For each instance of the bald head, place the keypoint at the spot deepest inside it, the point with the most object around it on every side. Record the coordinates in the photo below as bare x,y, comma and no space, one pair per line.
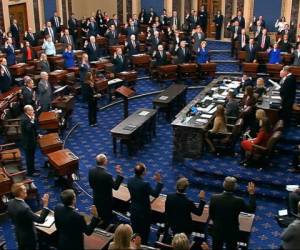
101,159
229,184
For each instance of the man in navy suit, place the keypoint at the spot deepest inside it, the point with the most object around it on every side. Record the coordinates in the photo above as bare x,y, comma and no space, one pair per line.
102,184
23,217
140,209
133,46
30,37
114,21
112,35
56,21
70,224
240,19
15,32
5,77
119,61
160,55
251,50
92,49
183,53
92,27
218,24
131,29
50,31
10,52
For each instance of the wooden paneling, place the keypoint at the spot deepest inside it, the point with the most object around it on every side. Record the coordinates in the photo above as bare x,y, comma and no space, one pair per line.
64,12
70,9
1,15
187,6
228,15
120,10
295,12
240,5
129,8
36,14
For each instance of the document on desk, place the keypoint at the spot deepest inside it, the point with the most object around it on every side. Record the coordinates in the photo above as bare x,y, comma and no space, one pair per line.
163,98
206,116
200,120
116,80
207,109
213,110
240,95
130,127
48,221
291,188
144,113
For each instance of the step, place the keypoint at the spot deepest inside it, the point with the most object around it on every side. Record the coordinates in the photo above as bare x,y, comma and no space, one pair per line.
224,61
229,73
219,51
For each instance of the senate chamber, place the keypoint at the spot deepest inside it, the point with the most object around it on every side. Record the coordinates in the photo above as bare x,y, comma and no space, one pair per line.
135,124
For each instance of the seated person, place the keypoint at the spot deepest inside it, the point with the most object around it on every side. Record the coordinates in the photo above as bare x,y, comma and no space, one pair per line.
261,139
260,89
255,124
274,54
219,126
232,105
202,55
69,57
246,81
44,64
119,61
178,203
160,56
124,238
290,236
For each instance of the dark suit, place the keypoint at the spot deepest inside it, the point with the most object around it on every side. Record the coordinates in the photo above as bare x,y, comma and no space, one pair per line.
10,55
120,64
285,46
27,97
235,34
288,95
251,52
31,38
264,47
114,22
15,33
178,212
102,184
67,40
44,65
132,30
50,32
83,69
5,79
161,59
193,21
71,226
246,41
113,38
28,139
183,57
23,218
175,21
241,21
93,52
218,24
296,55
92,107
55,25
203,20
224,210
72,23
140,209
133,50
93,29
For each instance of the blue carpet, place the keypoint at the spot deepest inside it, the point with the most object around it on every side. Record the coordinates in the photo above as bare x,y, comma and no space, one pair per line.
206,173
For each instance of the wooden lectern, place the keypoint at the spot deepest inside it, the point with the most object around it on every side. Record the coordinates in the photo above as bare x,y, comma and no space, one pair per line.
49,121
125,92
50,143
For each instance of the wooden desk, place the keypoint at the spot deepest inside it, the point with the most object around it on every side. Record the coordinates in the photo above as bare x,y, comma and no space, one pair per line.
171,100
74,69
127,76
188,70
132,129
141,61
112,85
5,184
100,64
56,60
122,194
64,162
49,121
50,143
167,72
18,69
66,103
57,77
13,95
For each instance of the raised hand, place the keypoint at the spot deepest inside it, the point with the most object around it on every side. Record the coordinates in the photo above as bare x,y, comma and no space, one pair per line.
251,188
157,177
118,169
45,200
94,211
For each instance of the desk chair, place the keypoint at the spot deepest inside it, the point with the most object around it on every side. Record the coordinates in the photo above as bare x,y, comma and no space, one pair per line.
11,126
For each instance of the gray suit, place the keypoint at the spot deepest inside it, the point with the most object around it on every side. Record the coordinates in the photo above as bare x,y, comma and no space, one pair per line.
67,40
44,95
296,58
290,236
198,38
23,218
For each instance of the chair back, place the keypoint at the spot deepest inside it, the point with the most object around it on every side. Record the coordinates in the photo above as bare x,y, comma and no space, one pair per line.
279,126
273,140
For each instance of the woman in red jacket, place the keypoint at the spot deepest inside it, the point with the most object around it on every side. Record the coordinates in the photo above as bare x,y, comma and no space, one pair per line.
261,139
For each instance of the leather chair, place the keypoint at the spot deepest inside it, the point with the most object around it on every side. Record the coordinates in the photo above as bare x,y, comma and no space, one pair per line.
274,70
279,126
11,126
250,69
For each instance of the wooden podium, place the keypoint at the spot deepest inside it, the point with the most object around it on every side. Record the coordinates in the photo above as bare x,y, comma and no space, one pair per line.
65,163
125,92
50,143
49,121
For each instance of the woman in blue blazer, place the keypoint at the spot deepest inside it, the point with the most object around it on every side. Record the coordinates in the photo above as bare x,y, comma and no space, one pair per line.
10,52
202,55
274,55
69,57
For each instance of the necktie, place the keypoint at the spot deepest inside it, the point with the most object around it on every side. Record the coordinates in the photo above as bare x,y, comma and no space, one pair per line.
263,42
161,54
157,40
51,32
132,28
32,36
114,34
243,42
250,48
6,71
56,22
195,19
183,49
68,39
133,44
121,59
94,46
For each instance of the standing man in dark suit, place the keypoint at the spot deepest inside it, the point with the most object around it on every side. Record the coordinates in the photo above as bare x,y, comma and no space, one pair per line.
140,209
218,24
174,20
243,40
30,37
224,210
9,49
28,138
28,93
50,31
203,18
119,61
133,46
179,208
72,24
115,21
15,32
240,19
66,38
23,218
112,35
287,93
84,67
70,224
131,29
251,50
92,27
56,22
5,77
102,184
183,53
153,40
264,40
44,92
92,49
193,20
235,31
160,56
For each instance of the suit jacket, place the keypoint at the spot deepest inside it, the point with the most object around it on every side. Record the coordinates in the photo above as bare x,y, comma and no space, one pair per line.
117,23
161,60
241,21
27,97
178,212
131,50
183,57
218,21
113,38
257,31
251,54
290,236
93,29
285,47
53,23
47,32
267,43
120,65
23,218
231,29
83,69
102,184
241,42
224,210
44,95
44,65
172,20
140,191
154,42
203,18
232,108
5,79
24,52
93,54
64,40
130,32
192,22
29,134
198,38
72,23
288,92
10,55
71,226
296,55
31,38
15,32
